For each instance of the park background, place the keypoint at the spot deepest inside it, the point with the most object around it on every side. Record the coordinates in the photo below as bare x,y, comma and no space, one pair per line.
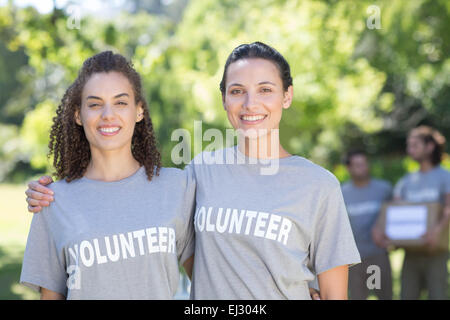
364,73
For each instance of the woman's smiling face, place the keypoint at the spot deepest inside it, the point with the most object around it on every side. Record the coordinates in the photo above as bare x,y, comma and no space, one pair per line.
254,95
108,111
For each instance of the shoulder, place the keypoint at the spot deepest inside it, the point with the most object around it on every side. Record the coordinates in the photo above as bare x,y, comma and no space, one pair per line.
443,175
346,186
62,186
384,184
443,171
170,172
314,173
214,156
175,178
406,177
170,175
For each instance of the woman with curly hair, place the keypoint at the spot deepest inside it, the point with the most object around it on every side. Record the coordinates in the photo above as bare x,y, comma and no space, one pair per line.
112,218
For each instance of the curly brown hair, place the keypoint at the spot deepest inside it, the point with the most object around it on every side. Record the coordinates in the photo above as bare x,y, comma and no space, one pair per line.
68,142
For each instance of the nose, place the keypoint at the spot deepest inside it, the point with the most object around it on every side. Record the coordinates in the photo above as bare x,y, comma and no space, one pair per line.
251,101
108,112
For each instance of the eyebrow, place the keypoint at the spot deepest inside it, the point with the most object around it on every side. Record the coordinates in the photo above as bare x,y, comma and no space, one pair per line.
267,82
235,85
121,95
241,85
93,97
116,96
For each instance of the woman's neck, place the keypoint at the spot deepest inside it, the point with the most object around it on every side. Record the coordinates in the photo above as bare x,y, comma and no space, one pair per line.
111,165
264,147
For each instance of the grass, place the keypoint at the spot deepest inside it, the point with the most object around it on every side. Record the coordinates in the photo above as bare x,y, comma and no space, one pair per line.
14,225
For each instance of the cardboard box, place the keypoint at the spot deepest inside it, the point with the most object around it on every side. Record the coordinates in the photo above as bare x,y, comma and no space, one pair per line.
404,223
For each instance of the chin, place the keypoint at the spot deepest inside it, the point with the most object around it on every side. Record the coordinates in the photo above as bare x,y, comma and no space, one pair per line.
253,133
110,147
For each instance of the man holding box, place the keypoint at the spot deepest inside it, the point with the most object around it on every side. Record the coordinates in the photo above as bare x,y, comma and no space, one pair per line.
426,268
363,198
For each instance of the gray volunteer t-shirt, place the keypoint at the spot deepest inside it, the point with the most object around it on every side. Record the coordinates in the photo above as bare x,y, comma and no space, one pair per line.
113,240
430,186
363,206
261,236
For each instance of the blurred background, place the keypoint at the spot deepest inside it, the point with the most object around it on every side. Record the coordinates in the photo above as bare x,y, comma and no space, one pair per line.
365,73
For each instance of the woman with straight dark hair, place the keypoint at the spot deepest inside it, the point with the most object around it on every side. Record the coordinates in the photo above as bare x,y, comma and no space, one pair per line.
266,221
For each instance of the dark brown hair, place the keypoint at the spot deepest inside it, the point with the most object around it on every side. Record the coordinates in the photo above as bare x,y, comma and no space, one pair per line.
430,135
68,142
354,152
258,50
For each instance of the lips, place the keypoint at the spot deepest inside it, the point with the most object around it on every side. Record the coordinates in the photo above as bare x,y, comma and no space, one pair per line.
109,130
253,119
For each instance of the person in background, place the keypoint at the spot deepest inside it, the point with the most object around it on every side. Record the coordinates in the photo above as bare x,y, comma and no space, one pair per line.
363,196
431,183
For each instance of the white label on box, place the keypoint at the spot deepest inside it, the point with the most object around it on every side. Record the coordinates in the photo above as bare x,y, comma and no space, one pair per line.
406,222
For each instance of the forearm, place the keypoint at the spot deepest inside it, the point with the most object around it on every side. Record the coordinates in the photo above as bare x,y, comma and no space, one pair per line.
51,295
333,283
443,222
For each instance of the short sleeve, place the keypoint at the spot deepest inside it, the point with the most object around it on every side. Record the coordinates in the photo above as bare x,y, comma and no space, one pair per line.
314,284
447,182
42,267
389,192
398,189
186,243
333,243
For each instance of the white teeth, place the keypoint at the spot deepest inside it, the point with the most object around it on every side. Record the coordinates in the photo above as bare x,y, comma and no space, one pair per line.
109,130
253,118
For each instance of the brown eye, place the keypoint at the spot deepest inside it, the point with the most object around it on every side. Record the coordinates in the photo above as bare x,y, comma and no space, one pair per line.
235,91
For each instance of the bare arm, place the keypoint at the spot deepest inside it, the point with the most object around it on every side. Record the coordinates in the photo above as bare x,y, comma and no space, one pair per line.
188,265
443,223
38,195
378,235
432,236
51,295
333,283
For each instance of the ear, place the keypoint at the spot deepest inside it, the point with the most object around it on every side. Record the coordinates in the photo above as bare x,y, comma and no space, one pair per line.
140,112
78,117
288,96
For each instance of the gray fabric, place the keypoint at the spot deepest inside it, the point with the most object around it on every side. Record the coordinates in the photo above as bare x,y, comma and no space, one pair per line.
430,186
363,206
265,236
113,240
423,270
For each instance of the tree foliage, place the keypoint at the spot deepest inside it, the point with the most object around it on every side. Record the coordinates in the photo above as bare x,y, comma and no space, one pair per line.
353,86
